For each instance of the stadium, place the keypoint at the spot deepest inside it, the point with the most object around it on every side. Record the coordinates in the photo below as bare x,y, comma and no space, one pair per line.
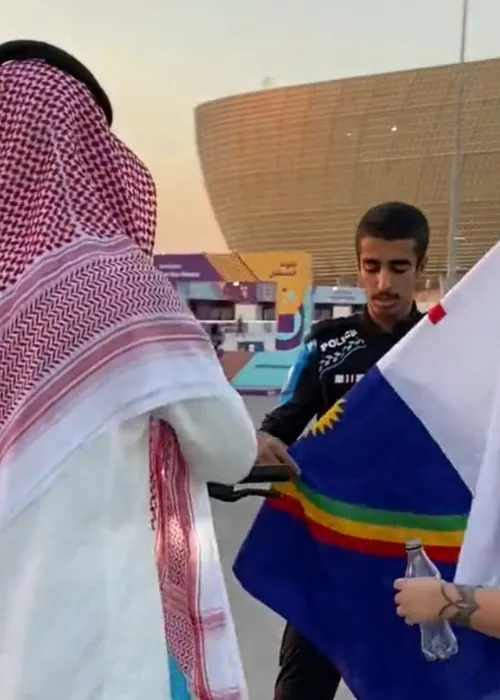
295,167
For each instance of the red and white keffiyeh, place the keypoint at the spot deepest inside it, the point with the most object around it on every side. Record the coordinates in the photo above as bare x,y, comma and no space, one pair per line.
91,334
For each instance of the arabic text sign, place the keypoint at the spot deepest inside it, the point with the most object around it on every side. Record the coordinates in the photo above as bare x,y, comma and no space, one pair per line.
187,268
287,268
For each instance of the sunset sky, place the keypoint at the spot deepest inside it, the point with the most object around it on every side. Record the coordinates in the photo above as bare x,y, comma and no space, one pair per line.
159,58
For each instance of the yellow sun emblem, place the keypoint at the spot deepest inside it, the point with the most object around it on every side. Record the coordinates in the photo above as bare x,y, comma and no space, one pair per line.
328,420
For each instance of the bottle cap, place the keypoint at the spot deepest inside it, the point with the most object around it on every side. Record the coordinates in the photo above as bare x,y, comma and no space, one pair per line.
413,544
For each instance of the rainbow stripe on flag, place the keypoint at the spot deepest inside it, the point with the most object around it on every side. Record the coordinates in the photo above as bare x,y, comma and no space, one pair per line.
360,528
370,530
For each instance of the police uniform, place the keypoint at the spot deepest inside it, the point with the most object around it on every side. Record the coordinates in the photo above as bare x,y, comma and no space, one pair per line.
336,355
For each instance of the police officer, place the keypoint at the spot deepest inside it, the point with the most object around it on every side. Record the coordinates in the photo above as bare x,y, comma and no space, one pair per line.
391,248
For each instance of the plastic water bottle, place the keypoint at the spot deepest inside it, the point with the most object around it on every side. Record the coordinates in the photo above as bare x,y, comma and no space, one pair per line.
437,639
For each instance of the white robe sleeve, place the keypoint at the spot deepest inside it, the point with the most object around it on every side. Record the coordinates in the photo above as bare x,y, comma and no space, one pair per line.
216,436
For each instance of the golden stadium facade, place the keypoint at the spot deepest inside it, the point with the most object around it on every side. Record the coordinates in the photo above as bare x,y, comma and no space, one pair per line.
296,167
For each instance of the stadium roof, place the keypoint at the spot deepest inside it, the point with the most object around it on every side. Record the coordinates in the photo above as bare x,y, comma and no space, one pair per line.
296,167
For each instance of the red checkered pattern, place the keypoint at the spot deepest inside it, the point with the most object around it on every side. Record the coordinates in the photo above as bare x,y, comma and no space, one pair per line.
77,287
61,172
187,634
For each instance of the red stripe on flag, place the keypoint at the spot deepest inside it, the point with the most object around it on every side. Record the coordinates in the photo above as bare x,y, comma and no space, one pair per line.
436,313
378,548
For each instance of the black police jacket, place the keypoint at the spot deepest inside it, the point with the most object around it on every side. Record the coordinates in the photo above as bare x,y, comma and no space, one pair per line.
336,355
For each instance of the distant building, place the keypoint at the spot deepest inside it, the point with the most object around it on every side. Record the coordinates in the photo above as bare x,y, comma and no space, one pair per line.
296,167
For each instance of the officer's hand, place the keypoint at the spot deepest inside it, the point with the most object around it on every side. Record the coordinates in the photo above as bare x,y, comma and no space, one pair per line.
270,450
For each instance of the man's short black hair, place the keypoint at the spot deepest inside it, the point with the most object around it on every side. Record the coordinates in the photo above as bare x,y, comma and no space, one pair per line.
395,221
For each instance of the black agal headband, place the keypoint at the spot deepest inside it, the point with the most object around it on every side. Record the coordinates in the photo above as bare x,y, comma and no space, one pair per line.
38,50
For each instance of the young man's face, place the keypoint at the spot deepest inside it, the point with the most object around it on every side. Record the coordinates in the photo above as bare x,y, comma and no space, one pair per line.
388,272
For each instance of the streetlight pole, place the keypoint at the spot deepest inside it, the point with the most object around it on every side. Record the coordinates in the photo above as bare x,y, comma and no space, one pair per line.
457,160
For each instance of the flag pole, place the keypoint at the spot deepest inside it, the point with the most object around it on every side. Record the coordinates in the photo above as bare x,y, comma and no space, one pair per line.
457,160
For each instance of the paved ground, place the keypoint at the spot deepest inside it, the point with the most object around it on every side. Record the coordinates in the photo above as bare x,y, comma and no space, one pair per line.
259,630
